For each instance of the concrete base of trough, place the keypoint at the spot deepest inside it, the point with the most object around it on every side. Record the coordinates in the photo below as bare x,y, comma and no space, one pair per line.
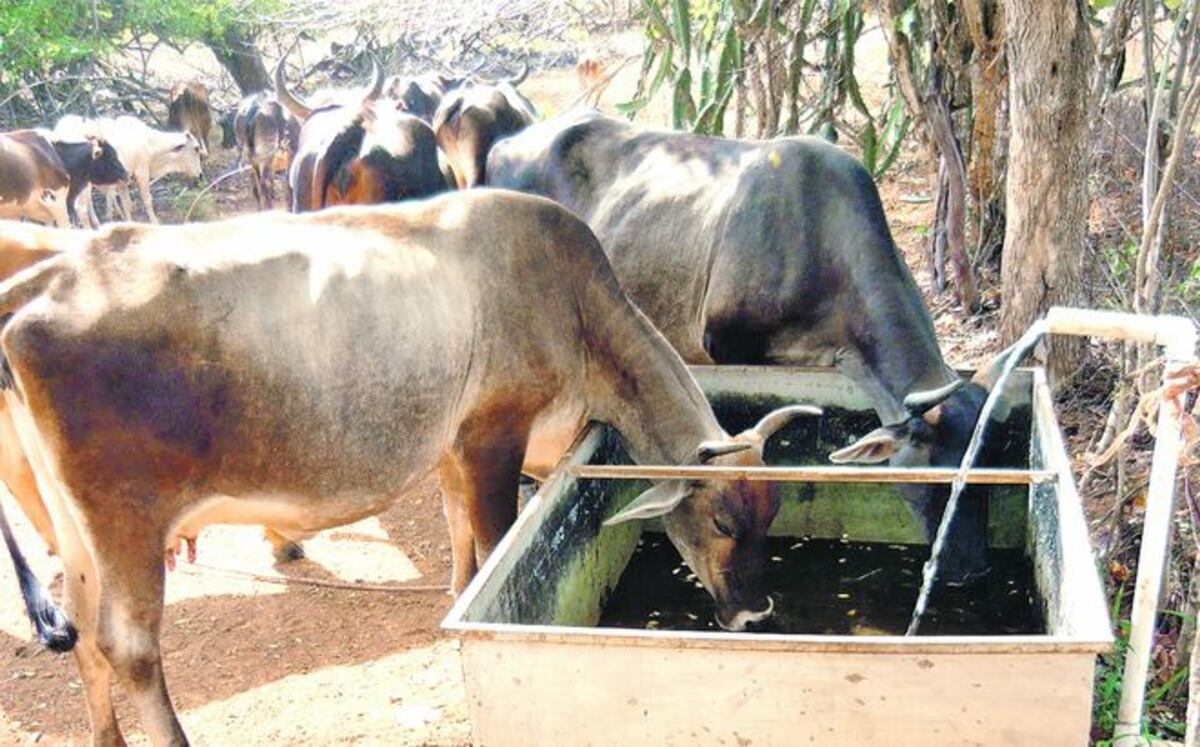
548,694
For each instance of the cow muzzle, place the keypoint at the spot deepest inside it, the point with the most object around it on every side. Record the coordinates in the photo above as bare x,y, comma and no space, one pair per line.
736,621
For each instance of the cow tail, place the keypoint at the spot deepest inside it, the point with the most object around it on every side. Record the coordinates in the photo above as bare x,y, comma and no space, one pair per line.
54,629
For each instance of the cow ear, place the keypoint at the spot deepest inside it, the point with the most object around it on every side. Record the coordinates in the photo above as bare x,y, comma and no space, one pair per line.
877,446
658,500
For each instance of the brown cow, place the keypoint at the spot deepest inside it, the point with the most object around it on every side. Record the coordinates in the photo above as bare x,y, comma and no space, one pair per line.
359,154
591,70
34,183
188,111
471,119
307,371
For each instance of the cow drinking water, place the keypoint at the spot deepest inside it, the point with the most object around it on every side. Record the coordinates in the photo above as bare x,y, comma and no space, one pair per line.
774,252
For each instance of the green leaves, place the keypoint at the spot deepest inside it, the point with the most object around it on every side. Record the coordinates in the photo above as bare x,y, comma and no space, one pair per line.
694,44
38,37
681,25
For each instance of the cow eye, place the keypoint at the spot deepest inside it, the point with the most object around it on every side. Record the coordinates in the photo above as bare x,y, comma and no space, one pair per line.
722,528
179,147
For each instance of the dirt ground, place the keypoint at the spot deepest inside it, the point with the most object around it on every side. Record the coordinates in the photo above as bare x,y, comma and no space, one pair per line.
256,655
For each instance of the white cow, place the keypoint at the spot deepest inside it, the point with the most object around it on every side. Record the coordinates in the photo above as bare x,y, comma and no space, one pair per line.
146,153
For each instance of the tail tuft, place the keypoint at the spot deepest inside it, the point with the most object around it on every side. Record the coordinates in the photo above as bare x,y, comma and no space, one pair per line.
54,629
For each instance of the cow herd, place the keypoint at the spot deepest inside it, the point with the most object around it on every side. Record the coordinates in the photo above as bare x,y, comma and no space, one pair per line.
466,288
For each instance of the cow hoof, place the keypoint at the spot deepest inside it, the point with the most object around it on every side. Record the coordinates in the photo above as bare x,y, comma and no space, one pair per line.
289,552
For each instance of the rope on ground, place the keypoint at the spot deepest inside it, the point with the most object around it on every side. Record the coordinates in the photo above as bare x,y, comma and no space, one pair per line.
202,569
215,182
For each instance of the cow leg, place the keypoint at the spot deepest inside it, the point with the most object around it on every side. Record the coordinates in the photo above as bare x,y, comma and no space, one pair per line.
283,548
484,470
129,569
287,191
462,541
256,184
268,184
83,208
87,207
143,182
94,671
72,204
122,198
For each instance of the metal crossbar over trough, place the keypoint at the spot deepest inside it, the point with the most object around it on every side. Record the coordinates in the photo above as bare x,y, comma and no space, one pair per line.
822,474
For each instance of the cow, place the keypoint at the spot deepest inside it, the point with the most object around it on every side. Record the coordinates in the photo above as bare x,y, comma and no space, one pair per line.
359,154
267,137
91,161
420,95
471,119
188,111
774,252
308,370
34,183
146,153
591,70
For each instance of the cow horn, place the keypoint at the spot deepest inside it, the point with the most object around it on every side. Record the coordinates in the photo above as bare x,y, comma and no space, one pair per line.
918,403
377,80
776,419
710,450
520,77
299,109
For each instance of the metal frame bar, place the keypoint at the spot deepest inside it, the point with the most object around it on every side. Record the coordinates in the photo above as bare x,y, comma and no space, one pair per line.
823,474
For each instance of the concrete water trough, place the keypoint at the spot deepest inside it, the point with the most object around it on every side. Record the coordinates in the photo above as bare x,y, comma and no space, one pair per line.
571,635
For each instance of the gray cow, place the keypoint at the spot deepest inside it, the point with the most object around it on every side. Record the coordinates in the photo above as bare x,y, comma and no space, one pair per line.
773,252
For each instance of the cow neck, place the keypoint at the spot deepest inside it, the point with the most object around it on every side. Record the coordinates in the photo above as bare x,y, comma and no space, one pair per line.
893,333
646,392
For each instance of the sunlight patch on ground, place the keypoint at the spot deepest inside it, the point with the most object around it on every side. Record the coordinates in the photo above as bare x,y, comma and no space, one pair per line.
410,698
359,552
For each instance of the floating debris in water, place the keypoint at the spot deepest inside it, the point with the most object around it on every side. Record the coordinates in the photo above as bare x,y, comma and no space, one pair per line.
866,575
652,624
815,583
776,559
797,546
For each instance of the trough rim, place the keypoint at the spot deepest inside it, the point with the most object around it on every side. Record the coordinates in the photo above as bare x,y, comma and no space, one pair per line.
1096,640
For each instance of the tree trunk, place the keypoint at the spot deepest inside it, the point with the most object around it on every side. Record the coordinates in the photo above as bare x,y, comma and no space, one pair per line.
985,24
236,52
1049,55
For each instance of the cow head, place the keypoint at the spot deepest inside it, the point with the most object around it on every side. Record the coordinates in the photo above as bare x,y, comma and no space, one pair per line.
720,526
936,433
182,156
105,167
